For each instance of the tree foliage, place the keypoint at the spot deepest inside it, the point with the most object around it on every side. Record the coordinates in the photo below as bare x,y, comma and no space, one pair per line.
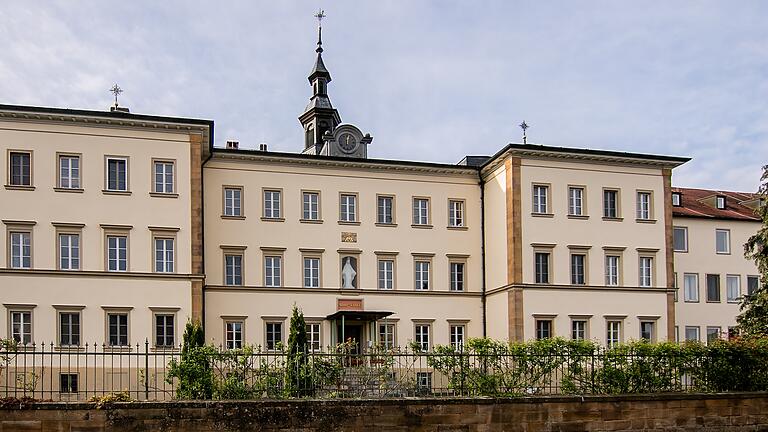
193,370
753,319
298,375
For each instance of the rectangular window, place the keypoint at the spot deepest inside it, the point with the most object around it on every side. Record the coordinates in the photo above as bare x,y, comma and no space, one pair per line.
753,283
348,208
579,329
234,334
233,202
233,269
578,262
540,193
424,382
387,336
68,382
680,239
691,287
612,270
422,275
117,174
457,336
274,334
313,337
457,276
165,328
646,271
21,326
422,336
610,203
69,328
117,324
311,272
273,271
455,213
310,205
21,250
117,253
676,199
733,288
713,334
385,209
723,241
20,169
713,287
272,204
644,205
576,201
543,329
691,333
69,172
386,274
542,267
720,201
613,333
164,177
648,331
420,211
69,251
164,255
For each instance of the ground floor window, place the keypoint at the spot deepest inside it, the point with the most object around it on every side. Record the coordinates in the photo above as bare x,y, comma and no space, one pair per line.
613,333
543,329
234,334
313,337
579,329
457,336
274,334
422,336
387,336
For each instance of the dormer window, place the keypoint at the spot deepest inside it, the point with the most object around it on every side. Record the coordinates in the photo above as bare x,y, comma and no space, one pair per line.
721,202
677,199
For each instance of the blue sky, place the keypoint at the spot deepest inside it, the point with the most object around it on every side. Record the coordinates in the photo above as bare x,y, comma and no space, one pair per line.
430,80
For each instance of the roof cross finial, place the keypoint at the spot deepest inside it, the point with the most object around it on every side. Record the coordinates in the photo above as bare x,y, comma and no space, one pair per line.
116,90
524,126
320,15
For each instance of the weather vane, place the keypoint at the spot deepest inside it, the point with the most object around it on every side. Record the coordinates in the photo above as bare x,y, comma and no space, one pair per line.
524,126
116,90
320,15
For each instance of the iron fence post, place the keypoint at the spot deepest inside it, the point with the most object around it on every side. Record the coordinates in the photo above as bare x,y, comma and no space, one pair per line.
146,369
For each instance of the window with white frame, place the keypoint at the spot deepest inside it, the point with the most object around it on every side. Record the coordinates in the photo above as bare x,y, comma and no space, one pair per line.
422,336
348,208
733,288
579,329
540,199
273,270
692,333
676,199
165,329
386,275
69,172
117,174
543,329
420,211
164,255
311,272
387,335
541,267
313,337
644,205
610,203
422,275
310,206
233,269
648,331
274,335
233,333
385,209
456,213
272,204
723,241
576,201
69,251
646,271
457,336
691,287
21,326
233,201
713,334
117,253
457,276
613,333
117,329
612,270
680,237
69,328
720,201
424,381
578,269
164,177
21,249
20,172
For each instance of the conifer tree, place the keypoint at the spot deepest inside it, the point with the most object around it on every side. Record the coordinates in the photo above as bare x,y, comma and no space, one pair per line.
753,319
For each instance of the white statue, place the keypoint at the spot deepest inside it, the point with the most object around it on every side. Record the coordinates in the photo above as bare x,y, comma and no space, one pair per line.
348,274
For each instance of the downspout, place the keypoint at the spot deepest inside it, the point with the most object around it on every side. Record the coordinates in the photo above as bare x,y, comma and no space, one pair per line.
202,220
482,250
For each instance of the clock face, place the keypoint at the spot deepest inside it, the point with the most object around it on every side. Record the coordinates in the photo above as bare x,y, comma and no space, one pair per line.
347,142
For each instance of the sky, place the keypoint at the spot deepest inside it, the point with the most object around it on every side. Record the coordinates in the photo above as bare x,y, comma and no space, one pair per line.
429,80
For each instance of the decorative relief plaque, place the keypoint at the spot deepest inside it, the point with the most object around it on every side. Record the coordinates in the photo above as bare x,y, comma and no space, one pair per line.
348,237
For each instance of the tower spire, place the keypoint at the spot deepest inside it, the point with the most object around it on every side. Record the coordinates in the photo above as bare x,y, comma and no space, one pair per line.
320,15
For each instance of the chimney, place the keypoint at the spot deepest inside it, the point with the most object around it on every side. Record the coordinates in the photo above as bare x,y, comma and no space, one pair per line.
233,145
263,147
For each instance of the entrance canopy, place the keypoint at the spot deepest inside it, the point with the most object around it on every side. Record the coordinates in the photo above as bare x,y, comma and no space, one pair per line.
359,315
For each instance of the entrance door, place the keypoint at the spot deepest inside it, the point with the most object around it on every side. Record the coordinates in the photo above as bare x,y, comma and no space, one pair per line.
355,334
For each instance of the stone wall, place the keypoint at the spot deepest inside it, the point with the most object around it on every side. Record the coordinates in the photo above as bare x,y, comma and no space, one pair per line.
672,412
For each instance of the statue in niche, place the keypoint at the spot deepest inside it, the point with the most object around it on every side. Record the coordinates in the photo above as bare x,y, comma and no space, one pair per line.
348,273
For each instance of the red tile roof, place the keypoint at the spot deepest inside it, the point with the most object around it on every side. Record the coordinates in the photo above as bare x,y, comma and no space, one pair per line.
693,205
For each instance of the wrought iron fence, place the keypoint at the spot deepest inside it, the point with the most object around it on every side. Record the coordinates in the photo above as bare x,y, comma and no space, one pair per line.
50,372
